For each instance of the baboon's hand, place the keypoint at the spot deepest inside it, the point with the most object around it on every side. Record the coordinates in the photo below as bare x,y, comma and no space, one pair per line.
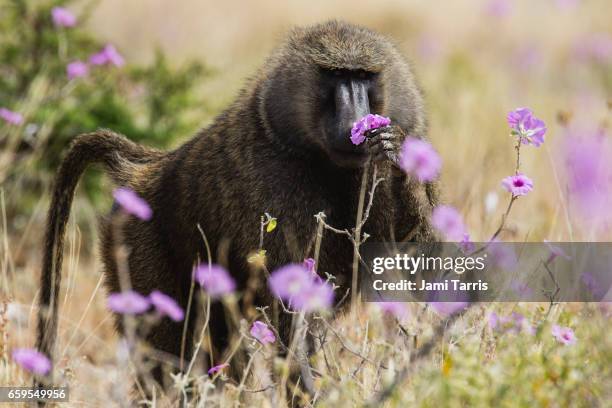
384,144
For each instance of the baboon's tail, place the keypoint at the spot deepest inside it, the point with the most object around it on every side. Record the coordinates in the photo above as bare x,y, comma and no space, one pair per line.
118,155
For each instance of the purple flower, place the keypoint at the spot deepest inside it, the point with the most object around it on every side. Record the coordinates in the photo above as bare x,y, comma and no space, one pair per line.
493,320
289,280
217,368
108,55
555,251
32,360
448,308
309,264
128,302
261,332
294,284
166,306
448,221
564,335
466,245
527,127
62,17
420,158
502,254
522,289
317,296
592,285
77,69
396,309
368,122
11,117
515,323
518,185
215,280
588,169
132,204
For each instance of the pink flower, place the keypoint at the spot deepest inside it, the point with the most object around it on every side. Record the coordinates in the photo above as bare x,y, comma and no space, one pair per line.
564,335
128,302
261,332
11,117
502,254
448,221
32,360
586,157
318,296
309,264
289,280
77,69
215,280
518,185
132,203
515,323
555,251
419,158
166,306
493,320
522,289
295,284
62,17
448,308
217,368
466,245
368,122
527,127
108,55
395,309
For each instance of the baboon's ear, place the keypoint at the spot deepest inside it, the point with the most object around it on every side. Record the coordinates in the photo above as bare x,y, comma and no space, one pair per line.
403,100
286,100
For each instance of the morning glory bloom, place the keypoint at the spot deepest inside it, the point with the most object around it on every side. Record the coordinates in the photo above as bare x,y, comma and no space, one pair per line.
419,158
62,17
11,117
108,55
289,280
77,69
261,332
527,127
131,203
368,122
217,368
564,335
318,296
449,222
32,360
448,308
166,306
518,185
215,279
128,302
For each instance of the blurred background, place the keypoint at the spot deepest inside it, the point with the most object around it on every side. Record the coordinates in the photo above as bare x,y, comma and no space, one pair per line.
177,64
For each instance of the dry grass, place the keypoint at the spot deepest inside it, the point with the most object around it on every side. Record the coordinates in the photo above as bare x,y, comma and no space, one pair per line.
474,68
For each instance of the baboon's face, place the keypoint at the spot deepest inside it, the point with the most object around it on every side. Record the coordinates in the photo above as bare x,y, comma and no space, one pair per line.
345,97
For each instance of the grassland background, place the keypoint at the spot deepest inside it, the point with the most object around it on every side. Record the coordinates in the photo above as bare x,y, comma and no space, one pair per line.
474,67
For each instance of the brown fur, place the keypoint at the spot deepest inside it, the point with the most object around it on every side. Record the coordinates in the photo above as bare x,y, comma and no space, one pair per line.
263,154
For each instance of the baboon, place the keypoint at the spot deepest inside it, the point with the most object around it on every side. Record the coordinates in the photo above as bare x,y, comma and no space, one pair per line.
281,147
